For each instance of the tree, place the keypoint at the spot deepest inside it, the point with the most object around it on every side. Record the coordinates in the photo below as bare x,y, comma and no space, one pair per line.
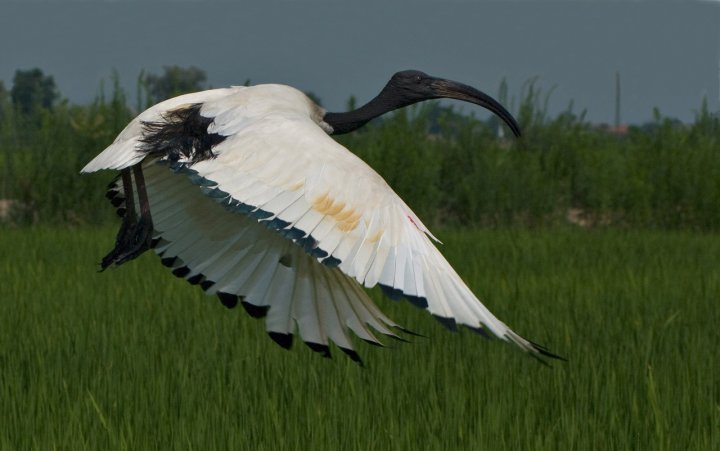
174,81
32,89
3,98
351,103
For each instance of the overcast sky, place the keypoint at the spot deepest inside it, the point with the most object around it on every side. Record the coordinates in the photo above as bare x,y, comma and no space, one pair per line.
667,52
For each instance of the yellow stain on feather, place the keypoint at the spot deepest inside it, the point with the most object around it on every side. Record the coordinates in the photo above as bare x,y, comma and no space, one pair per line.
344,215
335,210
347,218
375,236
322,203
349,224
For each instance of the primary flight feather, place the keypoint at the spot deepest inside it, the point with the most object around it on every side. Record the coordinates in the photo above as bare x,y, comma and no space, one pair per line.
244,192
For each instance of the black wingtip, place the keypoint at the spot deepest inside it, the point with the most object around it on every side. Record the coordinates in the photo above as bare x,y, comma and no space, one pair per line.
396,294
256,311
181,271
353,356
542,350
417,301
374,343
480,331
409,332
397,338
319,348
391,293
331,262
284,340
196,279
168,261
229,300
448,322
113,185
206,284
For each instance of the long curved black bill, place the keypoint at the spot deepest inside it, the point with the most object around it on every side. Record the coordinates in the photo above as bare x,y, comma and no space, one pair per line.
458,91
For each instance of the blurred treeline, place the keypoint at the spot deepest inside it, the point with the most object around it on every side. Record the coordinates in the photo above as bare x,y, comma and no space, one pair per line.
452,168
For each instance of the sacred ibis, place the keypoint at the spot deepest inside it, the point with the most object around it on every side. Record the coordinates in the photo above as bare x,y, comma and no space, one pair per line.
244,192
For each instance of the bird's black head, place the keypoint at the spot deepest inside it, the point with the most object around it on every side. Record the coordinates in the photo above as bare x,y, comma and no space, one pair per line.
412,86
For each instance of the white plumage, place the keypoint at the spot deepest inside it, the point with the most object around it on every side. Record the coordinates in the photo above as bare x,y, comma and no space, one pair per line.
288,221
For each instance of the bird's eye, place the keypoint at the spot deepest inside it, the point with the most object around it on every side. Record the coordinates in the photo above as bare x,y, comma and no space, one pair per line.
418,78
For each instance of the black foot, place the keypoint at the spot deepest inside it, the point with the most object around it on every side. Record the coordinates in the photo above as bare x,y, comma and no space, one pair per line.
132,240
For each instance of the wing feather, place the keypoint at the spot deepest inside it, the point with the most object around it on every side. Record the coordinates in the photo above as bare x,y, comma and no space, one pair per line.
234,254
304,309
280,296
330,323
355,317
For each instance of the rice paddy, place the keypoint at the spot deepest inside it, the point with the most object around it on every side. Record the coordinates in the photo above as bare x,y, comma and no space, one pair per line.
134,358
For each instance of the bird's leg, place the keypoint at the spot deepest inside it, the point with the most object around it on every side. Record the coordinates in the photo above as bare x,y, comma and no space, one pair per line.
144,230
135,234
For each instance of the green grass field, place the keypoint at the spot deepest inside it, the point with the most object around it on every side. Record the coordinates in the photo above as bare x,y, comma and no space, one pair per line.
135,359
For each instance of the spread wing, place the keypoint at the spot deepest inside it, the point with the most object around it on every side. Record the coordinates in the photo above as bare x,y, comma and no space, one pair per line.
283,217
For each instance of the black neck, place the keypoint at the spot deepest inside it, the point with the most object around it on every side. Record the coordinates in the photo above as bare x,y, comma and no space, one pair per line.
388,100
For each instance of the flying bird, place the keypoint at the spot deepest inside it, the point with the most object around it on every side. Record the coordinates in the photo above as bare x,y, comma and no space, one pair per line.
244,192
